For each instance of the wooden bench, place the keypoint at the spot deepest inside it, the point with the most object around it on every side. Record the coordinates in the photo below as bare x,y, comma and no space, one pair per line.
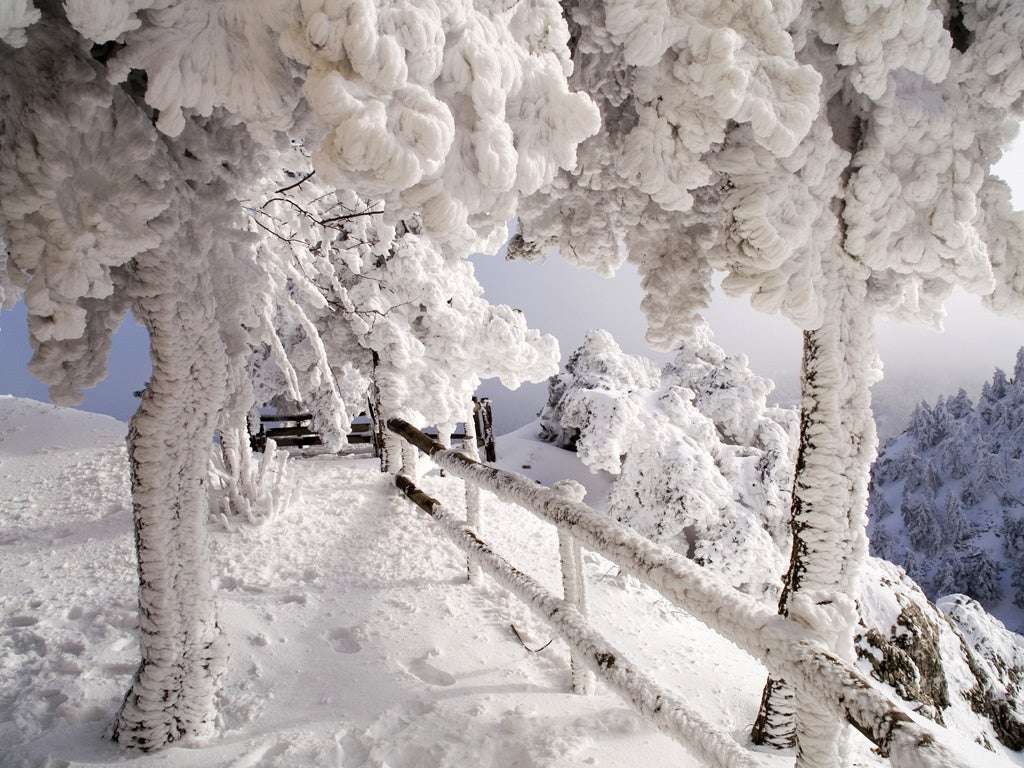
295,430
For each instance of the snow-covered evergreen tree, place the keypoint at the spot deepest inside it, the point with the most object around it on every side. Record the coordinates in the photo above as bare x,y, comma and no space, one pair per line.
699,460
947,501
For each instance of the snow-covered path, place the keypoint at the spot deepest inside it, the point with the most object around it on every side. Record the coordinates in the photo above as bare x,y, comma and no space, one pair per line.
355,640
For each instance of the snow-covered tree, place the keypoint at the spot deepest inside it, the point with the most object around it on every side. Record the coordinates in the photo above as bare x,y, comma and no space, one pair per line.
596,401
832,160
103,214
389,309
698,459
130,135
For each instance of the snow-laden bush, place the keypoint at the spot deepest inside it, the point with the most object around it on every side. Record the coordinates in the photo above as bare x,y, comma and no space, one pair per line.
699,460
594,402
245,488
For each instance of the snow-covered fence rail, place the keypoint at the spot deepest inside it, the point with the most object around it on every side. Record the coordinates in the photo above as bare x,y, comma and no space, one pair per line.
651,700
789,649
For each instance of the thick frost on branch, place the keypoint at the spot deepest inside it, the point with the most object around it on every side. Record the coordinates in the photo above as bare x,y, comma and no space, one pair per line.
83,178
201,55
15,17
875,38
450,110
104,20
670,79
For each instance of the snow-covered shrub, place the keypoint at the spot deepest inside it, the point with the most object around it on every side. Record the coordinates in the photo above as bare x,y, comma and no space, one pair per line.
699,460
244,488
955,477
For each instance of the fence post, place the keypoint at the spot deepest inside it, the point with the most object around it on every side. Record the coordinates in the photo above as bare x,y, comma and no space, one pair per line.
409,454
472,491
487,429
573,584
444,437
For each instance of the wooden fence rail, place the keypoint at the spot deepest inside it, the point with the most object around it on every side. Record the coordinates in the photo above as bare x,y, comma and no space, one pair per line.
788,649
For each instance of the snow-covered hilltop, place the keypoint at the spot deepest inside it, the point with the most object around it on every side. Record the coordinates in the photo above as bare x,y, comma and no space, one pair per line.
947,497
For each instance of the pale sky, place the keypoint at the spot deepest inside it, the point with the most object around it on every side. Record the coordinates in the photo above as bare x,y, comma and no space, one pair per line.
567,302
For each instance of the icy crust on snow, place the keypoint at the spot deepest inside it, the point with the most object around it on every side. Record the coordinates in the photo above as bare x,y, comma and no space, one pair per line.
698,459
947,501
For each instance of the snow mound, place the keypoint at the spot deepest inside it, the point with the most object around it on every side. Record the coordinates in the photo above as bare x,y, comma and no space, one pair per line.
29,426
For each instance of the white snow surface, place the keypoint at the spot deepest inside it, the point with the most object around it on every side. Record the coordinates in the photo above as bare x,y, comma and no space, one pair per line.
355,640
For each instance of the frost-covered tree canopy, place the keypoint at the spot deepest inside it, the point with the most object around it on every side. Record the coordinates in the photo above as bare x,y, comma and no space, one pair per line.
394,310
947,501
451,109
754,142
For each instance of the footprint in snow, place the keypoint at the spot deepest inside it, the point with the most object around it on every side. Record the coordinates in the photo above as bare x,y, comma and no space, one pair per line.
344,641
423,670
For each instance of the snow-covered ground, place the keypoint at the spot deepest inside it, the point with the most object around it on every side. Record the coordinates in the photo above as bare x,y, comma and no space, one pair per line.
355,639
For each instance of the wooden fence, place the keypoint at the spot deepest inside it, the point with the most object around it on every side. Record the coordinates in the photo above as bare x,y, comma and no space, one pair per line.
787,648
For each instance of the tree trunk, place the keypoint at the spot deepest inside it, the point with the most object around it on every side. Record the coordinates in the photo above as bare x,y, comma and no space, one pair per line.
183,652
828,520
